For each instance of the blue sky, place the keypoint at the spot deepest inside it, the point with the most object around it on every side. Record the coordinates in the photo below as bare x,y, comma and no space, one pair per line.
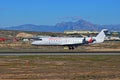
50,12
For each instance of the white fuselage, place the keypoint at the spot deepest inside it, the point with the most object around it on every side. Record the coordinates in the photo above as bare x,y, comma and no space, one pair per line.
58,41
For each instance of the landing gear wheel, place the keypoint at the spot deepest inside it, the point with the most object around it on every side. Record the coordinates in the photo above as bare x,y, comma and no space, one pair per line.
71,48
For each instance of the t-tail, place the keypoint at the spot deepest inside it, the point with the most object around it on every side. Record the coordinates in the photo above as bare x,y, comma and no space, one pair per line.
101,36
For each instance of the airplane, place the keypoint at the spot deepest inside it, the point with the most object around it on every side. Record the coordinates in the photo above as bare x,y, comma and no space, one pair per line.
70,42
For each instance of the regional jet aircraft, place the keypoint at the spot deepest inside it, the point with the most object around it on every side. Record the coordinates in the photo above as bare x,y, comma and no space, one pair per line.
71,42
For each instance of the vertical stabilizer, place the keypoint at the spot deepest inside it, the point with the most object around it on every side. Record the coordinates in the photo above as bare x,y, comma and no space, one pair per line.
101,36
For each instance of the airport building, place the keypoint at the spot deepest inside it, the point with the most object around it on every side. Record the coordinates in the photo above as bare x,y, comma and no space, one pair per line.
80,32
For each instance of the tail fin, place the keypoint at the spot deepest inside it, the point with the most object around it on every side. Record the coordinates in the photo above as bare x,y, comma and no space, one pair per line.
101,36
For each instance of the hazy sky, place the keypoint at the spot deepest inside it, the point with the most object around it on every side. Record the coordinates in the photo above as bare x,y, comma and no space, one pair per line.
49,12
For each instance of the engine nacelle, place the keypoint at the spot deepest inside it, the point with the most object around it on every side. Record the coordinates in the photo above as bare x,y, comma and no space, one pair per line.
88,40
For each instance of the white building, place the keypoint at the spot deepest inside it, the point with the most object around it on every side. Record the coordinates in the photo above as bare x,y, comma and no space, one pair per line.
80,32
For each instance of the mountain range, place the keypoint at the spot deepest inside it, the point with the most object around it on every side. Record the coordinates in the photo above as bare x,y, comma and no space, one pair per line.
64,26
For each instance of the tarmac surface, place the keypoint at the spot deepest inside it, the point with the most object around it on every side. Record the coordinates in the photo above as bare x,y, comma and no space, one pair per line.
56,53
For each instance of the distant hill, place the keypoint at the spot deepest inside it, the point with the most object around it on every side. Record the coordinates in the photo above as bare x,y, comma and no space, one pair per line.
63,26
32,27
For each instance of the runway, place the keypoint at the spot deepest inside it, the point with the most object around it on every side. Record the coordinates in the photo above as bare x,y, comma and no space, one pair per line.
40,53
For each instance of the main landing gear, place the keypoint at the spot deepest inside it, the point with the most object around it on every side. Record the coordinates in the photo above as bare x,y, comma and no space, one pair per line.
70,47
